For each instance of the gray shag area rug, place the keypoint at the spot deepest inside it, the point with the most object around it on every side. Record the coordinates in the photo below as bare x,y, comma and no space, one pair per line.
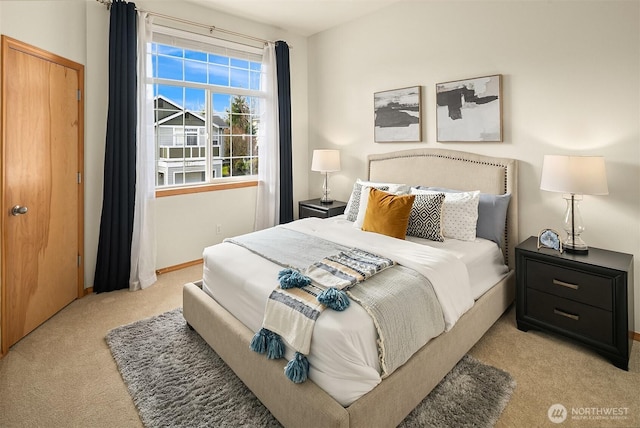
177,380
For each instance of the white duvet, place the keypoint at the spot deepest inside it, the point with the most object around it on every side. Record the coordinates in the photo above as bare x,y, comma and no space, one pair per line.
343,359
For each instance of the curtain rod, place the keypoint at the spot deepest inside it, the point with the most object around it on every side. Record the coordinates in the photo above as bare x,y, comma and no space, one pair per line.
211,28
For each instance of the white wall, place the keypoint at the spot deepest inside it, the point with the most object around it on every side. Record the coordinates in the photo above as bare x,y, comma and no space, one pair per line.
78,30
56,26
571,73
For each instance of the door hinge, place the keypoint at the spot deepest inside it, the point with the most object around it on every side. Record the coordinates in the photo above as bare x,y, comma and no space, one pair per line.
79,95
79,178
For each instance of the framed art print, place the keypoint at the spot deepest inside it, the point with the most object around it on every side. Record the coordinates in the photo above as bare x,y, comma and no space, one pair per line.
469,110
397,115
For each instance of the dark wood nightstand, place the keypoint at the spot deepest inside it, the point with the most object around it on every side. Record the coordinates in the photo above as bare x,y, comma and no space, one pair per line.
588,298
314,208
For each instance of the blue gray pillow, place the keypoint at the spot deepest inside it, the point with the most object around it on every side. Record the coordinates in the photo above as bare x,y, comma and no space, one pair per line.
492,214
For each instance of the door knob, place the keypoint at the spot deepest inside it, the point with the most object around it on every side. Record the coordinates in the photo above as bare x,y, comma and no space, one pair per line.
17,210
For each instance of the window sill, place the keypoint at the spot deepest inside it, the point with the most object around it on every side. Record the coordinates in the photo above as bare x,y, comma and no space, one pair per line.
205,188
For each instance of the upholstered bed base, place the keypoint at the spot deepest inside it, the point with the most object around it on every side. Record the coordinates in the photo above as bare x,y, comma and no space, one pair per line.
306,404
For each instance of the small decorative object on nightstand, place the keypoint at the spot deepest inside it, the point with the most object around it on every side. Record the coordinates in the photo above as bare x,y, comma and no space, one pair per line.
317,208
588,298
549,238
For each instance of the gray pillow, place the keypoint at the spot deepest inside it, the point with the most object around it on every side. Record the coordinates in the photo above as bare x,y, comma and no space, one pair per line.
492,214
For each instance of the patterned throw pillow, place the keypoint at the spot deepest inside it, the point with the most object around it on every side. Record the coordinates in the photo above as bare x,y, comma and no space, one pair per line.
426,217
354,201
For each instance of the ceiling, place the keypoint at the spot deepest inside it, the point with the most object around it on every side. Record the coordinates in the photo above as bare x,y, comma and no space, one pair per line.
303,17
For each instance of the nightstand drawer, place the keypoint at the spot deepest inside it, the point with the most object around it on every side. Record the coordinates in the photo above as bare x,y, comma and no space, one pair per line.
316,208
304,212
572,284
571,316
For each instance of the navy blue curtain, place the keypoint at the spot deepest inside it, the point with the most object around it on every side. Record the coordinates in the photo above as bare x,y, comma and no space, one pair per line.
116,225
284,111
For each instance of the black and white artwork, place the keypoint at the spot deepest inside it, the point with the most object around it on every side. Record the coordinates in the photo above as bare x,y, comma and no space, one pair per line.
397,115
470,110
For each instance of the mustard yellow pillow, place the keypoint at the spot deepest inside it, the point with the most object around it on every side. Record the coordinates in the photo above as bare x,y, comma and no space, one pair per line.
388,214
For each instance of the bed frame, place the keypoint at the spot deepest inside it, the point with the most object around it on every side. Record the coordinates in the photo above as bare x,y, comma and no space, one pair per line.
306,404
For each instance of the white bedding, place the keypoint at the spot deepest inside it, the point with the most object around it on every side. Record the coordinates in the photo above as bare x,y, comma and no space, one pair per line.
483,258
236,278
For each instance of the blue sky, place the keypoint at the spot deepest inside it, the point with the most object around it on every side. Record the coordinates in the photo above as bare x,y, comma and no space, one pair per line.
192,66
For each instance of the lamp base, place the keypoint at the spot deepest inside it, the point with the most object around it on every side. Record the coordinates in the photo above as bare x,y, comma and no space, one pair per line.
326,201
573,226
575,245
576,250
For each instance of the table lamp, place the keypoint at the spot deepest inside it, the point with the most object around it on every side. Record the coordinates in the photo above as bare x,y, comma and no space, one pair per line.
325,161
574,176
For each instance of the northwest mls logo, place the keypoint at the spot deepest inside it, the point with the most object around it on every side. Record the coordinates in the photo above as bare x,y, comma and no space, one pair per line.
557,413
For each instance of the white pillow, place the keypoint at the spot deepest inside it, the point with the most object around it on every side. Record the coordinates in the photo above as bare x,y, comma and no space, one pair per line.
394,188
351,210
362,208
459,214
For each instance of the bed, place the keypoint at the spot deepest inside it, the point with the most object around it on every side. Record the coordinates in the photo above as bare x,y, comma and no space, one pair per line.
392,398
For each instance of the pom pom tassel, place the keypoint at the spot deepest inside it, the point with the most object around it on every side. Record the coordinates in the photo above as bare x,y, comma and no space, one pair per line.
259,341
334,299
275,347
297,369
290,278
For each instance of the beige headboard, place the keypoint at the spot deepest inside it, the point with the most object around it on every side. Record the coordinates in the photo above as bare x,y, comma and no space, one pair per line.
454,170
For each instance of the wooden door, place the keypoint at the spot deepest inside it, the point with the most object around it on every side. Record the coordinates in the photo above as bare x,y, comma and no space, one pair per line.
42,194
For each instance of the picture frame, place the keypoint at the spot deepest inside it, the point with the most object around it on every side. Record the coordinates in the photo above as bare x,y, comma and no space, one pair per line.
469,110
397,115
550,238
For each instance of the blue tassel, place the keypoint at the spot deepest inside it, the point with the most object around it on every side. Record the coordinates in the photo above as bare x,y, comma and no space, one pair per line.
297,369
290,278
334,299
275,347
284,272
259,341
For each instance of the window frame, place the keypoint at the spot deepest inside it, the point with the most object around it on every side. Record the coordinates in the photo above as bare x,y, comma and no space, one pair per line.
213,183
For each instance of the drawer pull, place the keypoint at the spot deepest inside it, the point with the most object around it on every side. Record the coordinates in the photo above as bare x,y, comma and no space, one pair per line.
565,284
565,314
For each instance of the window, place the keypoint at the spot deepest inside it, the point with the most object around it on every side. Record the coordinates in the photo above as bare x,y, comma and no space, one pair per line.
206,109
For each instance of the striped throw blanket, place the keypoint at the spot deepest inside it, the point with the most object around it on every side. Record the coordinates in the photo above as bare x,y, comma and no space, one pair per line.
294,306
347,268
292,311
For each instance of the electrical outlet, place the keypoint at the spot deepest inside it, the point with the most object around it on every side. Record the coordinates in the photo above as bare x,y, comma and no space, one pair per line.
218,229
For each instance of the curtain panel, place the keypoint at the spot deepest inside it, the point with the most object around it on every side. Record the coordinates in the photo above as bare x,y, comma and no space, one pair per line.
268,195
143,241
116,224
284,118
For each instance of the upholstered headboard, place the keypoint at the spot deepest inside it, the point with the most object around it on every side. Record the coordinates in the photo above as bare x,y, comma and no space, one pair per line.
455,170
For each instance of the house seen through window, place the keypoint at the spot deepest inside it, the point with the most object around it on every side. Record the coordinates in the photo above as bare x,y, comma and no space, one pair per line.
206,110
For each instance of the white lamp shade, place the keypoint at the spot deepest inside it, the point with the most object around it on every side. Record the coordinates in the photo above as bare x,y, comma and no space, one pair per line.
580,175
325,160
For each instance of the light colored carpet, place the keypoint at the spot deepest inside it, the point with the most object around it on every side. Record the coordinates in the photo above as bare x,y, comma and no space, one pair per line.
177,380
63,375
